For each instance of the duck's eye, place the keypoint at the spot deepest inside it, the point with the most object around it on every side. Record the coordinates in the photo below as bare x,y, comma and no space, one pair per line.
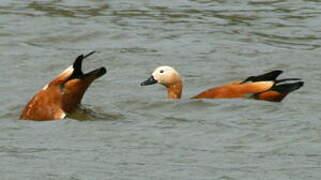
161,71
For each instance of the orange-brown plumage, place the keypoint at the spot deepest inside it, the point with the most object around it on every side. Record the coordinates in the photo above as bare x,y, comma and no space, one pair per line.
62,95
235,90
261,87
271,96
45,105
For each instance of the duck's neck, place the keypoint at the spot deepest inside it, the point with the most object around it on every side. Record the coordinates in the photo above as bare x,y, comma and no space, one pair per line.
174,91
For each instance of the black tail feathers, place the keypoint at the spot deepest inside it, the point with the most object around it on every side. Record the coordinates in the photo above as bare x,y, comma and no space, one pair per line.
288,87
77,65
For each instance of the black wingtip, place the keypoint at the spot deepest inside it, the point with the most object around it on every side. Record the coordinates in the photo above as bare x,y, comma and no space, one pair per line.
270,76
300,84
78,64
287,79
89,54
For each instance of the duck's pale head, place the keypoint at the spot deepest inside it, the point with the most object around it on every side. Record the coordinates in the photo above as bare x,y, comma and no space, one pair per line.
168,77
164,75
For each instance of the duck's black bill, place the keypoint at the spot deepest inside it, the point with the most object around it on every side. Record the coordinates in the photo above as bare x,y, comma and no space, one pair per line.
149,81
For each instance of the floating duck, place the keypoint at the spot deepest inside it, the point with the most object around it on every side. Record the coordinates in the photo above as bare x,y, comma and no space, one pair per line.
262,87
63,94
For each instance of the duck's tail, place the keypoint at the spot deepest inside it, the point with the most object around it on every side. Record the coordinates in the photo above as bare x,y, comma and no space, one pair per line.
280,90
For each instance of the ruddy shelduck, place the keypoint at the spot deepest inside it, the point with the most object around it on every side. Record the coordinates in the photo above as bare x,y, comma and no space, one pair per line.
63,94
262,87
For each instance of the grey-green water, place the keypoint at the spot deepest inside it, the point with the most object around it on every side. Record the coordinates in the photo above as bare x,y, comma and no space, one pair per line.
135,132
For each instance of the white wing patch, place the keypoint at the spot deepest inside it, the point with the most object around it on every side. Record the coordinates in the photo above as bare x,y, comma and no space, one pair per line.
45,87
63,115
70,68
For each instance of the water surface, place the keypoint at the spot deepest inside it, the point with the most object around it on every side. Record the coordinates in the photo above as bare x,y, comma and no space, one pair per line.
134,132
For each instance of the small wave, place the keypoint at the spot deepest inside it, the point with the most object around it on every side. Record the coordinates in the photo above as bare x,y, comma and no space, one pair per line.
85,113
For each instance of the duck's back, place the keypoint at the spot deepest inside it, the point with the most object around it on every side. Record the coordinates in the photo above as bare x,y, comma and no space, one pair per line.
236,90
45,105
